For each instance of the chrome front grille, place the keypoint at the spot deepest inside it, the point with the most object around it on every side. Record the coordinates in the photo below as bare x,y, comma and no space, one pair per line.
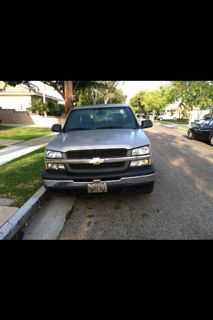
101,153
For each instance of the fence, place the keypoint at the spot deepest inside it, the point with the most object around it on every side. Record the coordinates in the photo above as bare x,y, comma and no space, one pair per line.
23,117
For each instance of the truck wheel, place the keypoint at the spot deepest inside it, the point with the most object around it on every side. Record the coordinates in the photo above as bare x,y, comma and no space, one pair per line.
149,187
53,191
211,141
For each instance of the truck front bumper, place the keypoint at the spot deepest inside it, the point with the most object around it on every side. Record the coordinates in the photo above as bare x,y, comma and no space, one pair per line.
129,178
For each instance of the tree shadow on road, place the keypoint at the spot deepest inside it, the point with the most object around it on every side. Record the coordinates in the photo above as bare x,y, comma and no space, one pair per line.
191,159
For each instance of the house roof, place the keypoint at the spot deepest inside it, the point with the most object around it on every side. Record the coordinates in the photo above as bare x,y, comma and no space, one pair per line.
22,90
18,88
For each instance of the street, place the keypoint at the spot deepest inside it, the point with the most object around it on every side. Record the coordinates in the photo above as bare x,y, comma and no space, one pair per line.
179,208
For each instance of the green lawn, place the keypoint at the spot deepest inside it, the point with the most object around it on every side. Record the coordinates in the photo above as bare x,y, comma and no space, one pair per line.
185,129
21,178
22,133
182,126
2,147
172,122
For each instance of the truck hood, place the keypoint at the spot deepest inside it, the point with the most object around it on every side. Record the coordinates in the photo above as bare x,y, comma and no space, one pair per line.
99,139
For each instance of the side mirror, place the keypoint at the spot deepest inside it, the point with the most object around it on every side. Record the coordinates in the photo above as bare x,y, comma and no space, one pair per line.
56,128
146,124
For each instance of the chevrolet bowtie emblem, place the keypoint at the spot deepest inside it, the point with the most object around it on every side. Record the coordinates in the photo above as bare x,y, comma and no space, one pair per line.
96,161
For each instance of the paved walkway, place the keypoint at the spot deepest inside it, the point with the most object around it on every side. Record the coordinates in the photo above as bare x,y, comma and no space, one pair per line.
6,213
25,125
6,142
6,202
15,151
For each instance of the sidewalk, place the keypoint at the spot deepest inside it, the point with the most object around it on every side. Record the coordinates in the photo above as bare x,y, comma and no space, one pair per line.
6,213
7,142
15,151
24,125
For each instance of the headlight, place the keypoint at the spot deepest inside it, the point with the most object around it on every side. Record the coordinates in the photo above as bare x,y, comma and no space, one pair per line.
53,154
140,163
141,151
55,166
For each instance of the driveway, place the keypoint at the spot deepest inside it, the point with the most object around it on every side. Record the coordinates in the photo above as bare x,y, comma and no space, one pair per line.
179,208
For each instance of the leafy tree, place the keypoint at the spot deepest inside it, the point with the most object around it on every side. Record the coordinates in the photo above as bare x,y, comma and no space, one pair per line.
191,94
66,88
150,101
137,102
102,95
155,101
114,95
39,107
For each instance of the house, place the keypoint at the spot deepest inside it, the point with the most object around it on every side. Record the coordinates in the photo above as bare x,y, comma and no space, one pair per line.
177,111
172,110
21,97
198,114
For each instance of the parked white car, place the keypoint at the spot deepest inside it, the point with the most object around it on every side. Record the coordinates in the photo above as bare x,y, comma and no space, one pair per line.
166,116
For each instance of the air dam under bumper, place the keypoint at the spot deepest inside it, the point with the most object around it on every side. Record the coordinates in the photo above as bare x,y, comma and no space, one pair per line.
125,181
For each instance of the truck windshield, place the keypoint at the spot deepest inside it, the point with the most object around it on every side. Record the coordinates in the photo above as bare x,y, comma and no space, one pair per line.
101,118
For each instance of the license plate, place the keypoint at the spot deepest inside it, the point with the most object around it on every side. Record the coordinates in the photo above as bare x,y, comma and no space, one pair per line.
97,187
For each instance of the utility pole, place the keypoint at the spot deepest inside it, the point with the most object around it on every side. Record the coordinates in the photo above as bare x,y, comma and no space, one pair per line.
68,96
44,96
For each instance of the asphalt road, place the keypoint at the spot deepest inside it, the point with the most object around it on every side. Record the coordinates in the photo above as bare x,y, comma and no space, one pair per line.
181,206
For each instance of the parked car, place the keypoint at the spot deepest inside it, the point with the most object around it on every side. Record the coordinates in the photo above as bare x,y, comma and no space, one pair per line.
100,147
200,121
166,116
202,131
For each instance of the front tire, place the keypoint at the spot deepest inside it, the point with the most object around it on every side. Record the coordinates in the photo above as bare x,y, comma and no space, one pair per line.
211,141
191,135
149,187
54,191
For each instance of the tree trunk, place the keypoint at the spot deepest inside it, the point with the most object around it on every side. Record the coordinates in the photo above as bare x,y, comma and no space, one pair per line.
94,96
153,117
190,116
68,96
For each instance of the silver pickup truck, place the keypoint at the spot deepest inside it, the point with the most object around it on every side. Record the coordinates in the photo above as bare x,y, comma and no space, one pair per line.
100,147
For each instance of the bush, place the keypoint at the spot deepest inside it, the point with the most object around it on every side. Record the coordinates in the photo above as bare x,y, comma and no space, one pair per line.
51,108
54,109
38,107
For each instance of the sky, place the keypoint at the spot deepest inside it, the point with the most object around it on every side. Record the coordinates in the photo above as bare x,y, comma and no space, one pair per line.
48,90
130,88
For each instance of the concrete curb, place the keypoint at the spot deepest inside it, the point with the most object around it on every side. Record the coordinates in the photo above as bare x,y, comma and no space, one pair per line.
17,221
167,125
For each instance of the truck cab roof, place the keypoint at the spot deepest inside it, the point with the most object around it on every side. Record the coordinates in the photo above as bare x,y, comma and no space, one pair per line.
97,106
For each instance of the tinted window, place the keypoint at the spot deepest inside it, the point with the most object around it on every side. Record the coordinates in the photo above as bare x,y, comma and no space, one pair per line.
211,123
205,123
101,118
